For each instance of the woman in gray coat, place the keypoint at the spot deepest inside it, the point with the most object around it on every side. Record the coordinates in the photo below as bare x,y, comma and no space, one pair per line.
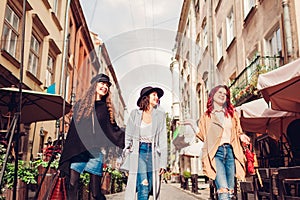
146,144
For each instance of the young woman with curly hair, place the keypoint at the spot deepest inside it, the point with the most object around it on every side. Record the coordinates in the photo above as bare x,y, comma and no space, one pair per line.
92,128
222,153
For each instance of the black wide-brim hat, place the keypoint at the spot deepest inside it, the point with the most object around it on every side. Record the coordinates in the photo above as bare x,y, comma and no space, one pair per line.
148,90
101,78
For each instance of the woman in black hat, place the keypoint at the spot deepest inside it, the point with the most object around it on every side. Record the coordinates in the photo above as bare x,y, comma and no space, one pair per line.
92,129
146,145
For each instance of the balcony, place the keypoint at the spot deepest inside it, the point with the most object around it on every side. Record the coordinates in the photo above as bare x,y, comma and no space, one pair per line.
244,86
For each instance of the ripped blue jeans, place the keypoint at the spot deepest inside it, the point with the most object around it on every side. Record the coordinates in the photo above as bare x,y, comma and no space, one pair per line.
144,176
225,166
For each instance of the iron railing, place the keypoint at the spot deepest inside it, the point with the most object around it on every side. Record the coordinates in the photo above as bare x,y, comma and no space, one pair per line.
245,84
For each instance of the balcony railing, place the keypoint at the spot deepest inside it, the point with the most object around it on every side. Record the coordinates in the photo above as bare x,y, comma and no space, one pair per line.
244,86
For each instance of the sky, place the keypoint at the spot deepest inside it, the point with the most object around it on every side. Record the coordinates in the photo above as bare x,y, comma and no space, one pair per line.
139,36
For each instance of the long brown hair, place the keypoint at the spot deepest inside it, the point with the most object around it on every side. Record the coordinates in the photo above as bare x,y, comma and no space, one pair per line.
229,109
86,105
144,104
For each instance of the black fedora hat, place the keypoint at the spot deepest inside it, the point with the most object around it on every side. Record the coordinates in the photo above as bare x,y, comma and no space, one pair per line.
101,78
148,90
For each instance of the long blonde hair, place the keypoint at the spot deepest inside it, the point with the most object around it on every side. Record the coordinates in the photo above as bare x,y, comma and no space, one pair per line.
86,105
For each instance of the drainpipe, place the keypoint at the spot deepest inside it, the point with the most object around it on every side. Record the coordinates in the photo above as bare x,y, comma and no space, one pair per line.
73,92
211,49
62,74
287,29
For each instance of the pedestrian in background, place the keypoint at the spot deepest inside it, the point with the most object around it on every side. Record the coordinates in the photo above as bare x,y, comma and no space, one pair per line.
146,143
92,128
222,153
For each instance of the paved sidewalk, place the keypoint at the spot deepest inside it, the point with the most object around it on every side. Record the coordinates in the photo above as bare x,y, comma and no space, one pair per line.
202,193
170,191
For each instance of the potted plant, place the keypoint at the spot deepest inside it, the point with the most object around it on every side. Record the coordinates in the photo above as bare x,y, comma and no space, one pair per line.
27,173
106,182
116,181
41,164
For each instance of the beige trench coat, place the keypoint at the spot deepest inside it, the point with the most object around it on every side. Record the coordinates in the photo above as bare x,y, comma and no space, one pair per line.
210,132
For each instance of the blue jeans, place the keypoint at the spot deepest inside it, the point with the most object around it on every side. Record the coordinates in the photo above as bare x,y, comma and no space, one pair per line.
144,176
225,171
93,166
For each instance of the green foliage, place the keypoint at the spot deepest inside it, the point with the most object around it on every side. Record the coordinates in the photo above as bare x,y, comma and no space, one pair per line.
27,170
116,174
41,162
85,178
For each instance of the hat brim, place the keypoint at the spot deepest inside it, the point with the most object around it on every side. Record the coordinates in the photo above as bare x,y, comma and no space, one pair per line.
159,92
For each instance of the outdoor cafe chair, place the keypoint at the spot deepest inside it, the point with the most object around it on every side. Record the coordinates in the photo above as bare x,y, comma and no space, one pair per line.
289,183
264,183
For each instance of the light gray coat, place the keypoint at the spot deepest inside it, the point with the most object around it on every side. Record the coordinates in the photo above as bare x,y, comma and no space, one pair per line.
159,149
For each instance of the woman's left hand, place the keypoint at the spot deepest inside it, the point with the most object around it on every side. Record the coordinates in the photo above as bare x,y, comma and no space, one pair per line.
245,139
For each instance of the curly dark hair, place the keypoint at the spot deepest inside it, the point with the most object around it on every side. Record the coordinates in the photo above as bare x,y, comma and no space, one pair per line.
229,109
86,105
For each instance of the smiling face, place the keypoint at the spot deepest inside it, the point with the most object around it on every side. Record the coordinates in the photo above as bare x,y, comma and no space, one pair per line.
101,89
220,96
153,99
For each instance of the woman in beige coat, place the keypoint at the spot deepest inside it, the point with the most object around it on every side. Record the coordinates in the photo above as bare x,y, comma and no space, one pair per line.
222,153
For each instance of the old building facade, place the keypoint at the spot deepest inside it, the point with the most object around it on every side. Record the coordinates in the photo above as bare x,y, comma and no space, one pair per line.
234,42
59,56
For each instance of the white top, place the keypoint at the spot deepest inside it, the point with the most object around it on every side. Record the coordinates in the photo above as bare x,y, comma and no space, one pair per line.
146,132
226,122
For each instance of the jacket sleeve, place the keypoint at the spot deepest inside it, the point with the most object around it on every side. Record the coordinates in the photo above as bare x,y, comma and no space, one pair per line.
202,128
163,143
239,129
130,129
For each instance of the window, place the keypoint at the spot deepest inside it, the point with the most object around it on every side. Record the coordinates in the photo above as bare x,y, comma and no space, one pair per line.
219,46
205,38
273,44
229,27
248,5
34,55
10,31
188,32
49,71
54,5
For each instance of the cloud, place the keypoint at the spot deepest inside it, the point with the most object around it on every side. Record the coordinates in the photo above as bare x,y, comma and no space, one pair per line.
139,36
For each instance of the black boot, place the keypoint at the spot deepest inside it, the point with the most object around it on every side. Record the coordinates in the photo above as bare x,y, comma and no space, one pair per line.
95,188
73,186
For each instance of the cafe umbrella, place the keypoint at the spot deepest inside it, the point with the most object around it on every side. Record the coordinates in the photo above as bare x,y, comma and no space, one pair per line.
36,106
281,87
257,117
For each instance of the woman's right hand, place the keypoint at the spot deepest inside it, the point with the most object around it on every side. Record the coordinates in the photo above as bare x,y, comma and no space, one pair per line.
245,139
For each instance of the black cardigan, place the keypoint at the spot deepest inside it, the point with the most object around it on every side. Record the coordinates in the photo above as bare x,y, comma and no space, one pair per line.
86,137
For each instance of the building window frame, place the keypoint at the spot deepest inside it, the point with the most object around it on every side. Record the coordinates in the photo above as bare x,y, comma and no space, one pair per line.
55,6
230,27
10,33
219,46
204,35
248,6
34,55
49,78
273,43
